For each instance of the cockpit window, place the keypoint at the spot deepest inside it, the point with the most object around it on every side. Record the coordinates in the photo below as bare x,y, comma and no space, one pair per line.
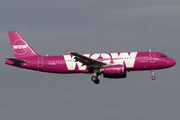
164,56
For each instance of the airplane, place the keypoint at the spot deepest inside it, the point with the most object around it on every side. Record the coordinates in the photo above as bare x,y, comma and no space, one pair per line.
110,65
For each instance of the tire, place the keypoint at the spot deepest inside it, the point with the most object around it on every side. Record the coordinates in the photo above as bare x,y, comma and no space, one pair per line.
96,81
93,78
153,77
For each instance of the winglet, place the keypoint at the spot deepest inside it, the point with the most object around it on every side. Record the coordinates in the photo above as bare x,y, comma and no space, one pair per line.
68,52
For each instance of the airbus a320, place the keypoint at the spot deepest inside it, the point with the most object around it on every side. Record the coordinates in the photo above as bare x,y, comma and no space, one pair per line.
110,65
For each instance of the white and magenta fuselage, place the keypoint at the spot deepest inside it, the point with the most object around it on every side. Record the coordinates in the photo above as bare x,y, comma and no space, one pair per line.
111,65
67,64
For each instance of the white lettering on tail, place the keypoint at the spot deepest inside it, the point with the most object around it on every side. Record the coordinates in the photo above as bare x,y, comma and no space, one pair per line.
19,46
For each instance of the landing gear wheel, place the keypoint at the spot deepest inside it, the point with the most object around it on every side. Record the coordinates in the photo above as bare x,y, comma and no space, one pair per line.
95,79
153,77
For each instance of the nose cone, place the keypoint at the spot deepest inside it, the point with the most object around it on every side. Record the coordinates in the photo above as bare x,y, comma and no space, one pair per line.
171,62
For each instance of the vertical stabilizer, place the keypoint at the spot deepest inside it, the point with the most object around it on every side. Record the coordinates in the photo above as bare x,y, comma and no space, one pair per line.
20,47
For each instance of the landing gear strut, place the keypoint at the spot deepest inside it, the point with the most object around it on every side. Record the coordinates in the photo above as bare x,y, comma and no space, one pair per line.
152,73
95,77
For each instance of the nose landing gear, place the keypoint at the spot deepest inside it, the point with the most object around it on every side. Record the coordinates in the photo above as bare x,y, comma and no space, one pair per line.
153,77
152,73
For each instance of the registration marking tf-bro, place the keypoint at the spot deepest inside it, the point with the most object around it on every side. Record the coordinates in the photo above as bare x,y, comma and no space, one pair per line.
110,65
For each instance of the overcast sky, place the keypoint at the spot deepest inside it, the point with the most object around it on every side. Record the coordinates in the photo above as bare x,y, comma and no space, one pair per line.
90,26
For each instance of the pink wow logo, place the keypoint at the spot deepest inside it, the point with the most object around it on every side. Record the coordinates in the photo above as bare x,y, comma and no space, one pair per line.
20,47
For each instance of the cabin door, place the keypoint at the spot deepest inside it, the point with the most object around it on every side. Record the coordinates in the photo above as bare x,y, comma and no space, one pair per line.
152,57
40,62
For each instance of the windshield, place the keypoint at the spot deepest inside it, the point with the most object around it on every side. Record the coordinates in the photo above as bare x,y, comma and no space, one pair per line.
164,56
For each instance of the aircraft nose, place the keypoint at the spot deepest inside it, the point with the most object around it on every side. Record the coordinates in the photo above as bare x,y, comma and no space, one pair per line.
172,62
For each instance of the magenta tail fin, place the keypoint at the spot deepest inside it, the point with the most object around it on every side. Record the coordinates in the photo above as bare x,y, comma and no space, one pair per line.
20,47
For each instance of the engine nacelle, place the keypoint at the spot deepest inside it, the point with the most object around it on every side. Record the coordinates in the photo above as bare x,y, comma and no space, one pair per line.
115,75
113,69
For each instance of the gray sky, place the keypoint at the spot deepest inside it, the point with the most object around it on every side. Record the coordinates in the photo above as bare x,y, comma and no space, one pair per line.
90,26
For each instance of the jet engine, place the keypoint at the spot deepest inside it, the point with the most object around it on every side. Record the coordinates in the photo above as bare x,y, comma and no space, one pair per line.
113,71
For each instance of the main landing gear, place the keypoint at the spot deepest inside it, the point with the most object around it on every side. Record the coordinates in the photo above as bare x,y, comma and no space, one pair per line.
152,73
95,77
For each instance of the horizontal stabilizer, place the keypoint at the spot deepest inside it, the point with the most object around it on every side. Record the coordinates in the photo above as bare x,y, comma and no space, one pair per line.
16,60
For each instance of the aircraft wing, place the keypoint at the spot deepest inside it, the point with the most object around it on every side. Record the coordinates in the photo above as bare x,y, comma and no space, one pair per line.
89,62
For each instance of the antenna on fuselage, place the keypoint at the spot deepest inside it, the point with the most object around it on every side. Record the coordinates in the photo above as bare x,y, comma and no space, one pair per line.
149,50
